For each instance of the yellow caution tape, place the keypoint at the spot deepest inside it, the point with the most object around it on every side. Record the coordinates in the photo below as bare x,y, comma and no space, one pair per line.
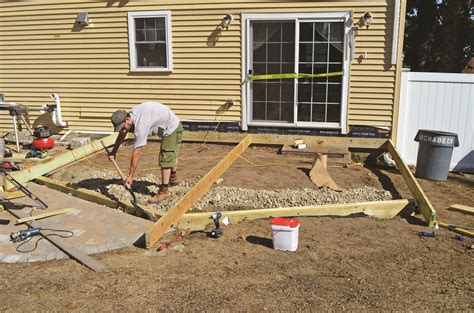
292,75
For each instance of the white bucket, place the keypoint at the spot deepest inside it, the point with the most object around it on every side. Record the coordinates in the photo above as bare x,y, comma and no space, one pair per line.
285,237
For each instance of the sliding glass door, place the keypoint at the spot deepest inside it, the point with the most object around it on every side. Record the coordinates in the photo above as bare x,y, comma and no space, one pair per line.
320,51
273,52
285,50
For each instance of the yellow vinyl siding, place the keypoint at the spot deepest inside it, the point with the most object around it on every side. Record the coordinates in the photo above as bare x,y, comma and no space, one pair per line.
41,52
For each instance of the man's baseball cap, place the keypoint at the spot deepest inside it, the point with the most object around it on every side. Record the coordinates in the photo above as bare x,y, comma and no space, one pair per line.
117,119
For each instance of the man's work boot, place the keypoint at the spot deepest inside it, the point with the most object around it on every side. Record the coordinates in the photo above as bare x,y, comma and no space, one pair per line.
174,181
162,194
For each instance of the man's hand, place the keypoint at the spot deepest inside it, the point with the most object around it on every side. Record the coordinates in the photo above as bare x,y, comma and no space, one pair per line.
128,182
112,157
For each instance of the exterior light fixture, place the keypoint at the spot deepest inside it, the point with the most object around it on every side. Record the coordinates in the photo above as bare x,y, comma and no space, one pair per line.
228,18
83,19
367,19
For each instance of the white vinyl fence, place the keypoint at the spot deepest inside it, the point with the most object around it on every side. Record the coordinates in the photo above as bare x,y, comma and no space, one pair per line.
437,101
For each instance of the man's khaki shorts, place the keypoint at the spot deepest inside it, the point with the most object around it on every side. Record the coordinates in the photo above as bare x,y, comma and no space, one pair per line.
170,148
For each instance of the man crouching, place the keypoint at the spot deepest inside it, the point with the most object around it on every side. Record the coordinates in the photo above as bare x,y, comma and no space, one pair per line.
148,119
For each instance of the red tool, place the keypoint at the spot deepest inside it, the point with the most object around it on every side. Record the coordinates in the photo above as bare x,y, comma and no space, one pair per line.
43,143
9,166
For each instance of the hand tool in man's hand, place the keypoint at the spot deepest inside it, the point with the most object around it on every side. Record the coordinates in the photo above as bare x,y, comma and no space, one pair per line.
134,198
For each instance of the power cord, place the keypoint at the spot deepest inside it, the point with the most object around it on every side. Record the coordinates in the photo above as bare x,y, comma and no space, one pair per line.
37,241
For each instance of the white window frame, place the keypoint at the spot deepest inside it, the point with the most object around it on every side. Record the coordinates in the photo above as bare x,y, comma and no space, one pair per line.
132,39
345,16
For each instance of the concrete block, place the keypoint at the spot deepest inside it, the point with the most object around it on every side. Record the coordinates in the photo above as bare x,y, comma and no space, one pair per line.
79,142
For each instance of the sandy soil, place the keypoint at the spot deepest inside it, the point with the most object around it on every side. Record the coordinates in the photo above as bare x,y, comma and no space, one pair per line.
353,263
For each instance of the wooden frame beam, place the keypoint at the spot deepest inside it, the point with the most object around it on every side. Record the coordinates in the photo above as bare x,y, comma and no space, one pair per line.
96,197
378,209
172,216
192,196
61,159
422,201
274,139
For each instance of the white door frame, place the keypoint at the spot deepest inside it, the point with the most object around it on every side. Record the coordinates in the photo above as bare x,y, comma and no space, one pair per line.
297,17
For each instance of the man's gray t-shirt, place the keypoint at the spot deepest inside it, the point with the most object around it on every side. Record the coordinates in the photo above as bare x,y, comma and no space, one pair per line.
152,118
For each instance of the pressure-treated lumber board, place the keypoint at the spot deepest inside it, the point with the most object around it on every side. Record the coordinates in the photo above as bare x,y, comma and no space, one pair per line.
82,193
422,201
94,196
379,209
61,159
73,253
192,196
462,208
43,215
321,142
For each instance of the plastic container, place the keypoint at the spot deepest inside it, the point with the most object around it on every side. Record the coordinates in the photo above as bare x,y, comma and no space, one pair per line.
434,153
285,233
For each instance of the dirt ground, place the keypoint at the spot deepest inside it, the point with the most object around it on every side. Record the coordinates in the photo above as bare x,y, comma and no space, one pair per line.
355,263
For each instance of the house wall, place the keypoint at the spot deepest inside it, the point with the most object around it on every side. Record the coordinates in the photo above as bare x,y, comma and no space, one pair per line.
41,52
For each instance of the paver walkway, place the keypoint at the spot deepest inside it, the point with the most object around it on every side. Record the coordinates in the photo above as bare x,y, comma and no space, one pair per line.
96,228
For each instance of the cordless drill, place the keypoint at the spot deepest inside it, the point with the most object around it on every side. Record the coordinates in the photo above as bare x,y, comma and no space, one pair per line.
216,232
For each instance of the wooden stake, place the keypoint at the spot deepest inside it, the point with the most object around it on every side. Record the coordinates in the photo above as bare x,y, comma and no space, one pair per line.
192,196
319,174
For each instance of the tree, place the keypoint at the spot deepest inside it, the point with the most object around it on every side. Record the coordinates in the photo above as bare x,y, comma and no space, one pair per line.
439,35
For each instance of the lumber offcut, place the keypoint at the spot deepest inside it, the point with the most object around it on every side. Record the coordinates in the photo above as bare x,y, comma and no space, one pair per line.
378,209
192,196
43,215
422,201
462,208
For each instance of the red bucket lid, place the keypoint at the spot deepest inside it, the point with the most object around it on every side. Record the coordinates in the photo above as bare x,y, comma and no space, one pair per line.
283,221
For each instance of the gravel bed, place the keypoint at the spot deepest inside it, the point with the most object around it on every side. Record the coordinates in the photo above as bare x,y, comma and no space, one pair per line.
229,198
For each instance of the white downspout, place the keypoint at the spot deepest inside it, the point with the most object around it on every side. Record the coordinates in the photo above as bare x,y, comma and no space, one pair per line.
56,115
396,20
388,160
